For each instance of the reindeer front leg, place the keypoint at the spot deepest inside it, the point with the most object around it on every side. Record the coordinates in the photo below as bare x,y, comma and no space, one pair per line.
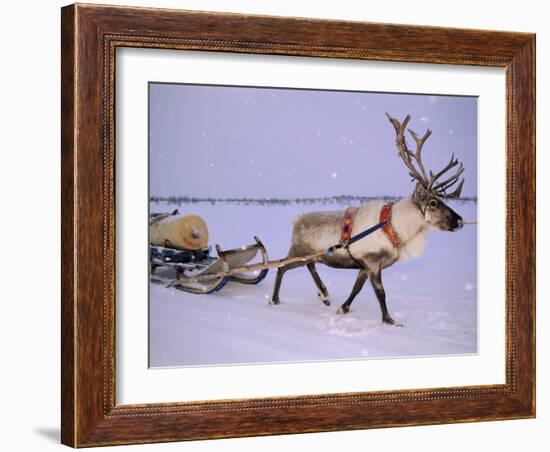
376,281
359,283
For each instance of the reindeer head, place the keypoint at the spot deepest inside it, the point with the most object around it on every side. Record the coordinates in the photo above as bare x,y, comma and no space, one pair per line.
429,191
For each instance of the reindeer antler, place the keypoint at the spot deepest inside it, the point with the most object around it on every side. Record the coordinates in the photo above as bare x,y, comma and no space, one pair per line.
419,174
440,189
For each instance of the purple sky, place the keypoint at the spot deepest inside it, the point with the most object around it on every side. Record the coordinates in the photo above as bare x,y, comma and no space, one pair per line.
224,141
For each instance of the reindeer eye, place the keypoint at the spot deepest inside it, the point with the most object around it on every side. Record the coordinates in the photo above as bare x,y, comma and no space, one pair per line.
433,203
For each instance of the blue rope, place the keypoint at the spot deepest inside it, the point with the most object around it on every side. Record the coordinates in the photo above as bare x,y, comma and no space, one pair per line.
357,237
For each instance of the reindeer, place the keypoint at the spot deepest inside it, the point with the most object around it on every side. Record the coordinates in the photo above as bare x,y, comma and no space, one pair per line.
402,236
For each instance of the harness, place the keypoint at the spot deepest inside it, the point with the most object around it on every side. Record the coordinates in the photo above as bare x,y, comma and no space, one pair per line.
385,216
346,237
347,225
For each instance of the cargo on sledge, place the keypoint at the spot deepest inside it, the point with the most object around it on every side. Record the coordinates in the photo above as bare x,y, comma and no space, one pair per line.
180,243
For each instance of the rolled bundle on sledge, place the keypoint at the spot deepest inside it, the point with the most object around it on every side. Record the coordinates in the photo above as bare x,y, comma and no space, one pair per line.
187,232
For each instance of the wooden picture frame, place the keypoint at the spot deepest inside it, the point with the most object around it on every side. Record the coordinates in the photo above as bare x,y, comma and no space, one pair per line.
90,36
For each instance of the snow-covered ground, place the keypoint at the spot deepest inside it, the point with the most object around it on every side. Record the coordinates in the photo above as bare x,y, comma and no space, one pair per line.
435,297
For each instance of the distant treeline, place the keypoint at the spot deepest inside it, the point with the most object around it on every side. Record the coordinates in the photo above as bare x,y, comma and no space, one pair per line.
341,199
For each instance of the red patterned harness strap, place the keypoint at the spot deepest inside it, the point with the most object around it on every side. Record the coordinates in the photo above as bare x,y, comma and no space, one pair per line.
347,225
385,215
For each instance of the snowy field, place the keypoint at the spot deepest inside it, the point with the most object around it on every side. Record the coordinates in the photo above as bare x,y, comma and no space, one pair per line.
435,297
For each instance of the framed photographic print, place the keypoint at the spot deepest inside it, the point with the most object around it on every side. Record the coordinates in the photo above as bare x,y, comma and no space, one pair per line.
279,225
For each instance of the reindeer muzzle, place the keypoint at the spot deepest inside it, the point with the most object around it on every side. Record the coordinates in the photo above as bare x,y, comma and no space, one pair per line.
457,224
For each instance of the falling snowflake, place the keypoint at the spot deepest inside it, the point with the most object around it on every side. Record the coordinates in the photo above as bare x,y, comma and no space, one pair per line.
211,165
203,134
404,277
334,175
424,118
433,99
469,287
451,131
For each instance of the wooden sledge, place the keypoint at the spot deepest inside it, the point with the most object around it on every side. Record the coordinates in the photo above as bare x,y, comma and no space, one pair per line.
210,274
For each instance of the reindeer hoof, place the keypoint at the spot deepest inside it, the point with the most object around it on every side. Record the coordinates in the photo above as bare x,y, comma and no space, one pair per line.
324,298
389,321
274,302
342,310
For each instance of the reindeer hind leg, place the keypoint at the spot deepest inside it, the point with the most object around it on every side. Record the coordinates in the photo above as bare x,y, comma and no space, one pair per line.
277,287
278,279
322,289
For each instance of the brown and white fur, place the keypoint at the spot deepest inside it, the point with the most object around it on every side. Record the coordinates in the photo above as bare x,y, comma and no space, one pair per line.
411,219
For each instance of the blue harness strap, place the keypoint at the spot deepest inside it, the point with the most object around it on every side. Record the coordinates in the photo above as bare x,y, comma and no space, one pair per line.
368,231
357,237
